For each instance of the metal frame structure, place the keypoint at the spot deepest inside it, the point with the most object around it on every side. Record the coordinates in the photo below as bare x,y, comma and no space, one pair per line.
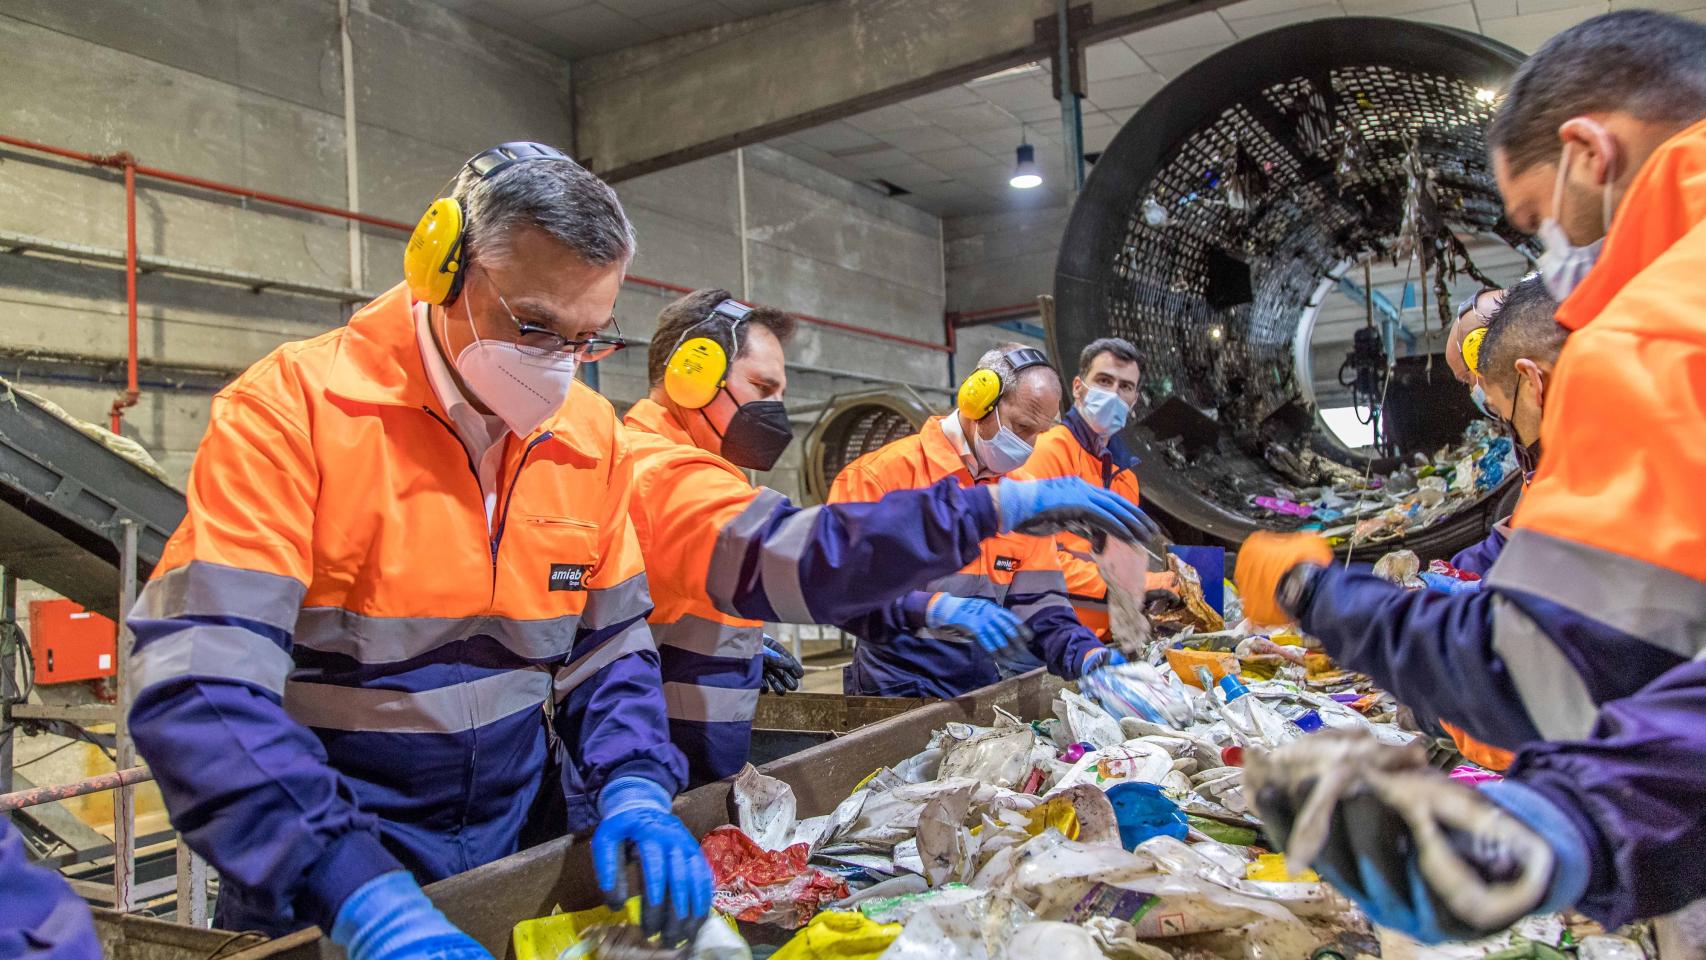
1315,121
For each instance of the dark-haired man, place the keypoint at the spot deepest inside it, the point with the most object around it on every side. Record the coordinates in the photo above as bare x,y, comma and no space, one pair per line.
1087,444
1596,611
722,555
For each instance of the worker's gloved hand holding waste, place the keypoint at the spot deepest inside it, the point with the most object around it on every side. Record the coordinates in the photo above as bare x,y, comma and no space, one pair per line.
782,672
974,618
638,822
1042,507
1100,658
1264,560
389,918
1421,854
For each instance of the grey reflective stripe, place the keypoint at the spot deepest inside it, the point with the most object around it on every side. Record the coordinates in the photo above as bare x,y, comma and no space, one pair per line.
966,585
371,639
1547,682
215,651
710,638
1648,602
202,589
608,606
1028,609
1039,581
636,638
1087,603
779,567
452,709
723,578
688,701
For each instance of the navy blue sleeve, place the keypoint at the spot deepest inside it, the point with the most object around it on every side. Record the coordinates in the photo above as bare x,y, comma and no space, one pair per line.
1059,640
40,918
1432,651
902,615
277,819
1479,558
609,704
1636,789
837,562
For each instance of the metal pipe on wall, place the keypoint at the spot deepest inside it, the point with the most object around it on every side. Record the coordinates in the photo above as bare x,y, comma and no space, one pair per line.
36,796
352,167
131,391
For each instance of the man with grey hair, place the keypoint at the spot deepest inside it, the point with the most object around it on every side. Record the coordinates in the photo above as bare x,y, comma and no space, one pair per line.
408,593
1010,602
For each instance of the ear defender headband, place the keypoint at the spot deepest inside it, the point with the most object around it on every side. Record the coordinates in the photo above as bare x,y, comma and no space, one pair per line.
432,260
699,366
981,392
1472,342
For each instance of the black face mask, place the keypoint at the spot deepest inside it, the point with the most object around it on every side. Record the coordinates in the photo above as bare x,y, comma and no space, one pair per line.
757,434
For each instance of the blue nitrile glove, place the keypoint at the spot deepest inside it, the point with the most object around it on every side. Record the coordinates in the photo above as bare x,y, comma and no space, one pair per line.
1440,583
389,918
781,671
1098,657
636,815
974,618
1425,856
1043,507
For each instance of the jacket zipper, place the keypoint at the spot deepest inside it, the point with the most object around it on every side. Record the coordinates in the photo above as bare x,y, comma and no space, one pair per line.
509,495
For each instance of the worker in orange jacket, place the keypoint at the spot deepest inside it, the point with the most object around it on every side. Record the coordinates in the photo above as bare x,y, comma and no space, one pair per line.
406,572
723,555
947,638
1584,652
1087,444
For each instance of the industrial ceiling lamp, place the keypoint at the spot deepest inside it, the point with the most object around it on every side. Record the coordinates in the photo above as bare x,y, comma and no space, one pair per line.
1025,173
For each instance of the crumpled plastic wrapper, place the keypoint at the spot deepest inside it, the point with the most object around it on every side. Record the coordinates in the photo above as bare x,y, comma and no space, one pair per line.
1195,611
764,809
1125,569
1138,690
1402,567
762,886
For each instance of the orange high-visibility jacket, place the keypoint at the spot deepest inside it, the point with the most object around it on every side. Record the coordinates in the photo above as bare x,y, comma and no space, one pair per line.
720,551
339,667
897,655
1061,452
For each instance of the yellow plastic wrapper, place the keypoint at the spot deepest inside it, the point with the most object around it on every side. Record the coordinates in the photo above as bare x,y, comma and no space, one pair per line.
1272,868
555,937
839,935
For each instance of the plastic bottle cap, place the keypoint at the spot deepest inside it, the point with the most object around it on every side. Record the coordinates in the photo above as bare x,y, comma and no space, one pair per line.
1232,756
1308,722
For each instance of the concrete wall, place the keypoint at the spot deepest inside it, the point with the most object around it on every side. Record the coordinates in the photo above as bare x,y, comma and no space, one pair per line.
252,93
999,259
246,92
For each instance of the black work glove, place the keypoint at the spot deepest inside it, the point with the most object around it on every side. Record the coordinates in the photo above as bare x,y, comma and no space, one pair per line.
782,672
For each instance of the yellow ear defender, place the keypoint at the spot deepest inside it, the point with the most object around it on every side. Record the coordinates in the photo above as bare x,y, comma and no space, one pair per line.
699,366
432,260
1472,348
981,392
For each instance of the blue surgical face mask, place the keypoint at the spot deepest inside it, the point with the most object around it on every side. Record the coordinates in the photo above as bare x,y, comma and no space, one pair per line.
1103,410
1562,264
1003,453
1479,396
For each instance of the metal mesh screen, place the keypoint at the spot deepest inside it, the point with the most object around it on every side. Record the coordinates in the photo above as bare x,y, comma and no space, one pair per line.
1291,180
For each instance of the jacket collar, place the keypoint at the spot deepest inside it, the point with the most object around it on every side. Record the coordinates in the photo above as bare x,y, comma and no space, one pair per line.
1117,453
379,362
940,453
1666,200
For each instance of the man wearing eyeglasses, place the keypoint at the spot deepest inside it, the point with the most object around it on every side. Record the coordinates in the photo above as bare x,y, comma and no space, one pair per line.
408,579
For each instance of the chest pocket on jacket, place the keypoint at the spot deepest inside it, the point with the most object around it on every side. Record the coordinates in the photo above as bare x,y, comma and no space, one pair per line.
555,560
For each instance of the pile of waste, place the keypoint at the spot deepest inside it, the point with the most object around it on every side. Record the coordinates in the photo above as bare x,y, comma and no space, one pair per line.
1365,509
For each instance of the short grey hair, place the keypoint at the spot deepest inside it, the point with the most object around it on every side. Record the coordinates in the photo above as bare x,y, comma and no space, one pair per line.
1120,347
560,197
996,361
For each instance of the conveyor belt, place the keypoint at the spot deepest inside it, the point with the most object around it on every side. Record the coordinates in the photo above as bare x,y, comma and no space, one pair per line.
63,496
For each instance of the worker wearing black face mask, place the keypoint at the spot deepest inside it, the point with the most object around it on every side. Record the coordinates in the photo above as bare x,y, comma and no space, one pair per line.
723,556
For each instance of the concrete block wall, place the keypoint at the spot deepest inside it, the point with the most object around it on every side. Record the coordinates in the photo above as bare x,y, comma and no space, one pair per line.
998,259
252,93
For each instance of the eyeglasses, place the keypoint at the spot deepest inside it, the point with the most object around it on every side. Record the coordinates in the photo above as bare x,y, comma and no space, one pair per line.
541,341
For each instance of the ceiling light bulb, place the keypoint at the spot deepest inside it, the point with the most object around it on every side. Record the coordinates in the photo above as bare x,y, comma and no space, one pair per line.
1484,95
1025,173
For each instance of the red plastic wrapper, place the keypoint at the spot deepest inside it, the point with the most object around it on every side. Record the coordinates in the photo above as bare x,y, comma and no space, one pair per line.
1441,567
767,886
